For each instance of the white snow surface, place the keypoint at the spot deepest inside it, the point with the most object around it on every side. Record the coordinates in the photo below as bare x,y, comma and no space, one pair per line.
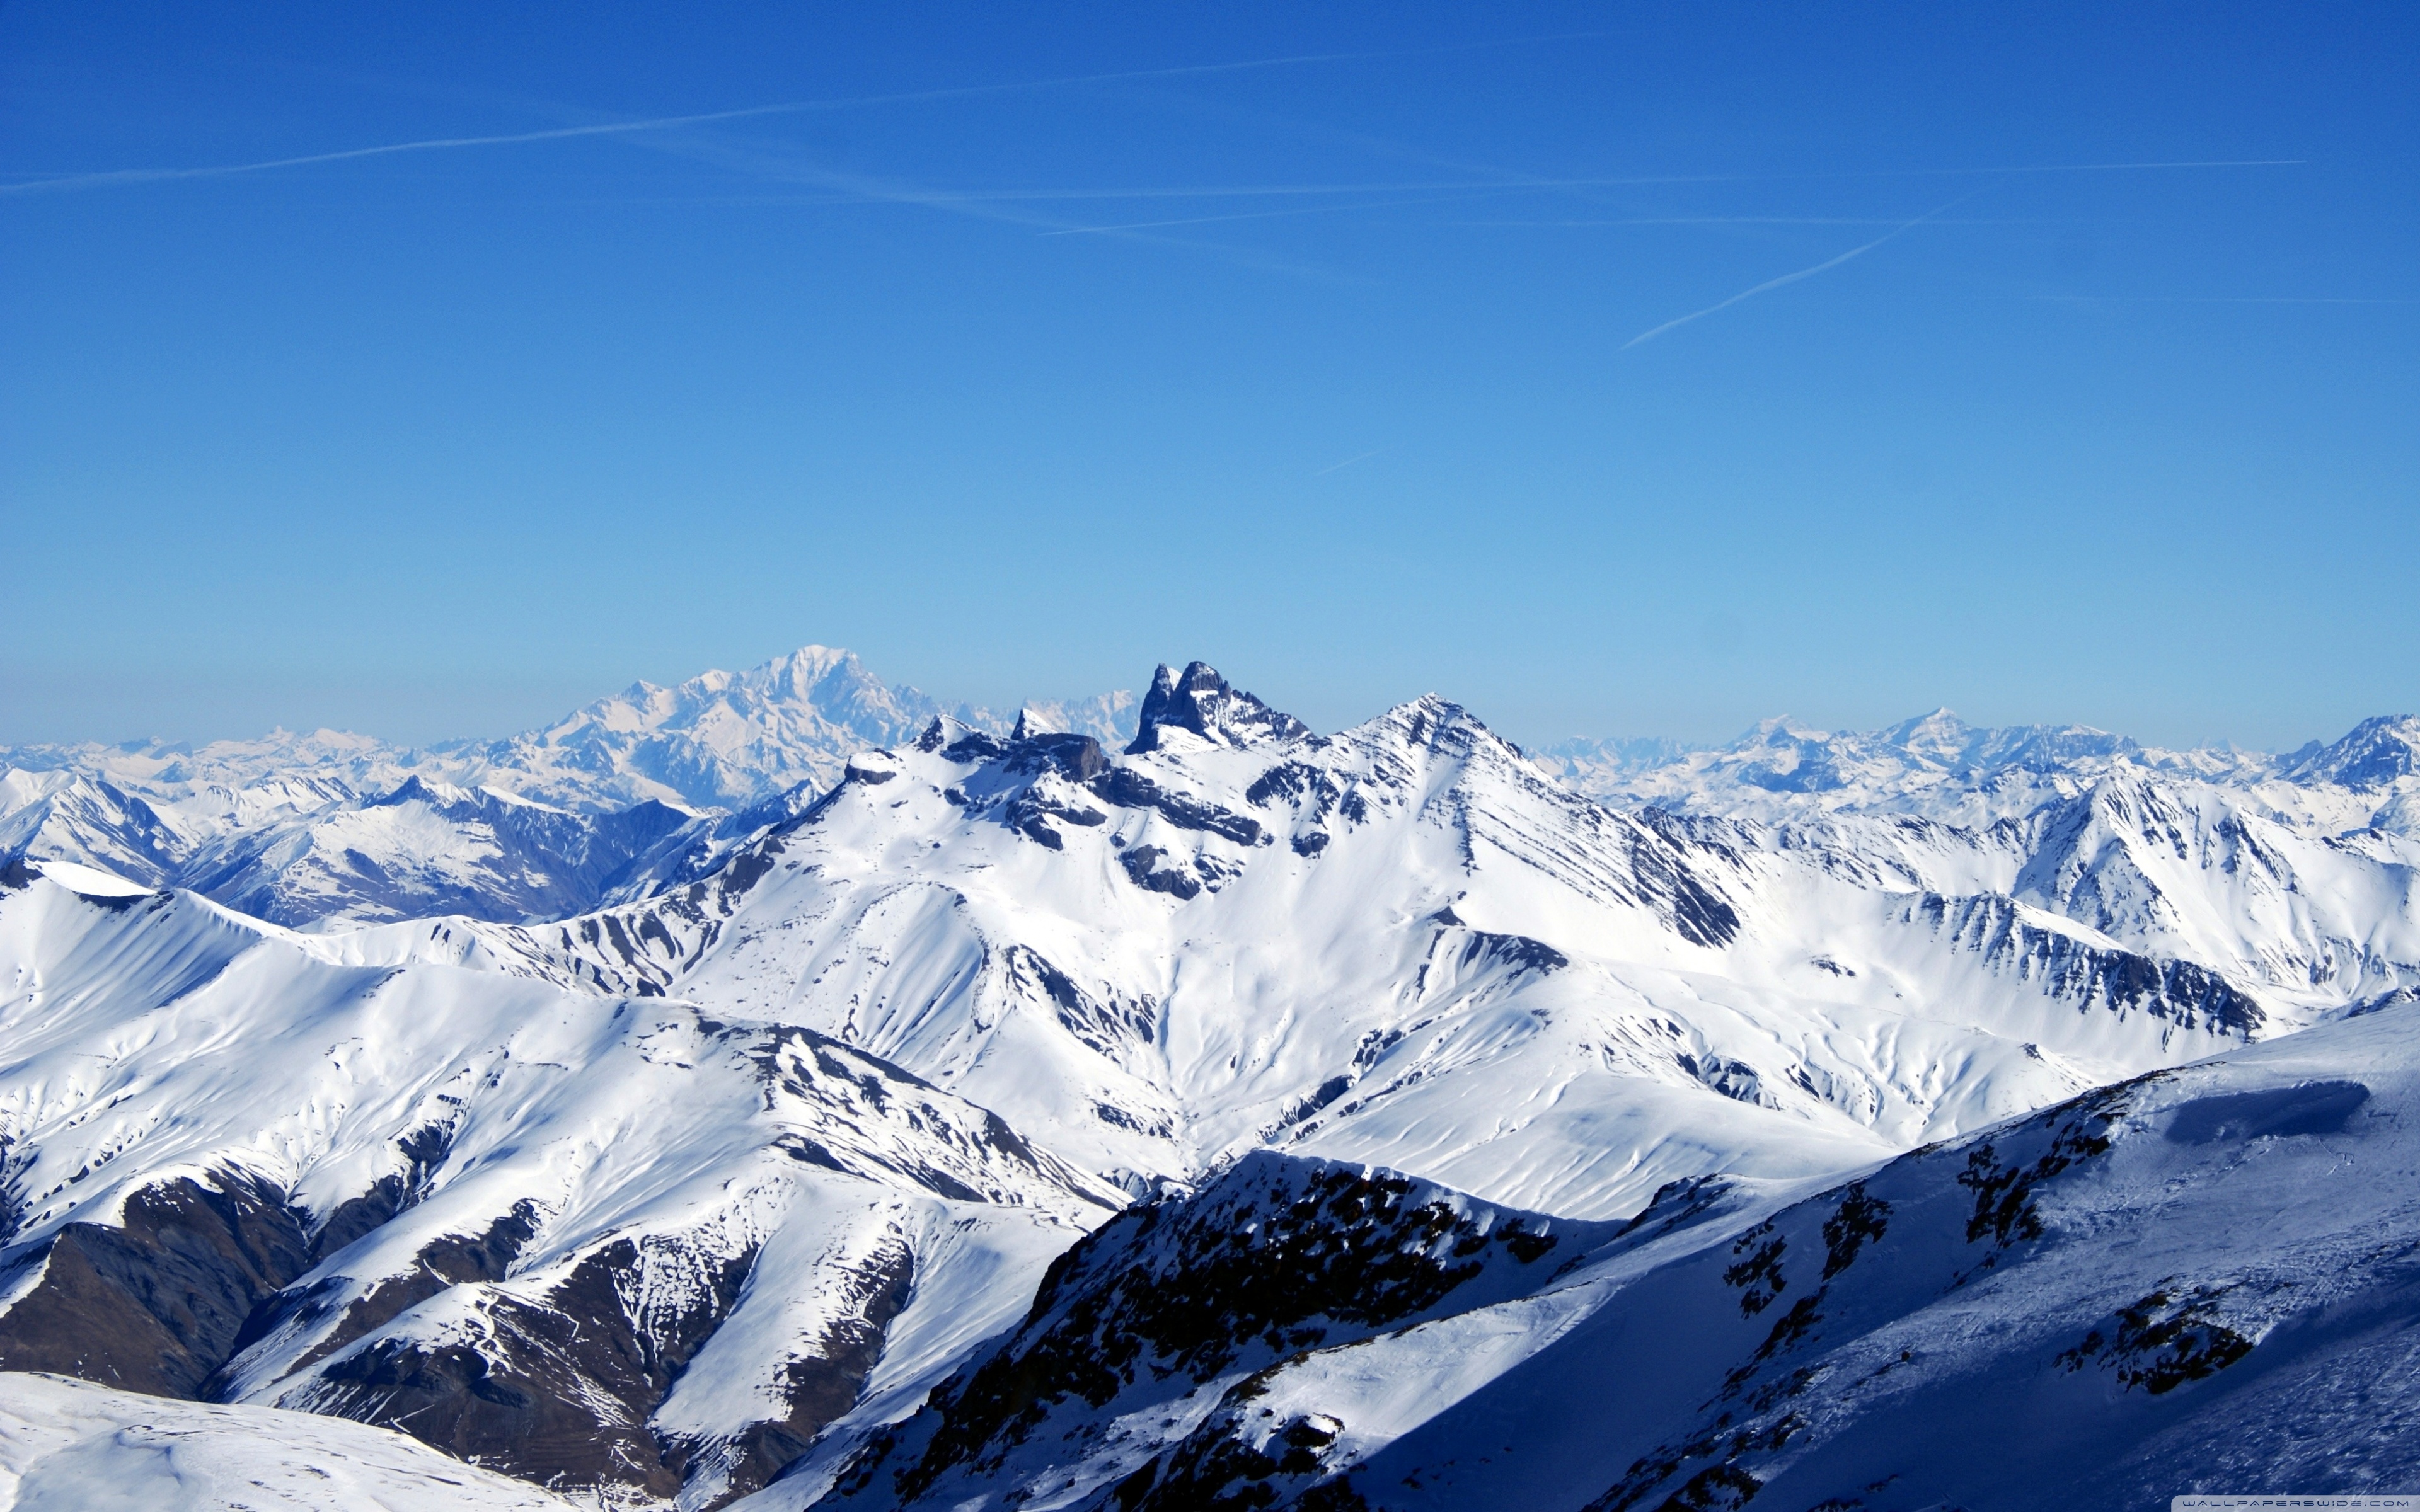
73,1446
1407,944
2263,1202
1940,767
2199,1281
659,783
967,988
653,782
147,1039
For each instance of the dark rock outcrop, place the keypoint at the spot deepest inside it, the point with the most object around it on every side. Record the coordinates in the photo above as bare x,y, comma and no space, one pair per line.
819,1386
2189,996
1200,701
156,1302
560,1390
1279,1256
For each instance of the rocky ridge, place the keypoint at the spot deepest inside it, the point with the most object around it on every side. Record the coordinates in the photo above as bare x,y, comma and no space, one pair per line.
697,1194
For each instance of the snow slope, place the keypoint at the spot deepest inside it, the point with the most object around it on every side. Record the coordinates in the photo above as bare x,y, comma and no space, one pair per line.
1406,945
653,1200
67,1446
2197,1281
1183,1307
292,824
726,740
352,1175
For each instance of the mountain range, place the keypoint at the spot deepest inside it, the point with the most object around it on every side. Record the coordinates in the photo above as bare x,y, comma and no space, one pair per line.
786,1092
616,799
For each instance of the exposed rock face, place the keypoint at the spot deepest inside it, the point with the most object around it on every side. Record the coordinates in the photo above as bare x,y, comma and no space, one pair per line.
635,792
1199,700
561,1387
447,1260
820,1384
558,1390
156,1302
1175,1308
2122,981
209,1192
671,1199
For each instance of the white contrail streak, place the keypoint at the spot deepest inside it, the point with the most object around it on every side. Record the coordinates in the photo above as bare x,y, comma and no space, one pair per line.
1347,462
1259,215
661,123
2202,299
1623,181
1789,278
135,176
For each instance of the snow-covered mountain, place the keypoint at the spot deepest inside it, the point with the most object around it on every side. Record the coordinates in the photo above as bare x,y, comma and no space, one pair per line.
616,799
695,1191
602,1243
1342,944
2197,1281
67,1446
725,740
1940,767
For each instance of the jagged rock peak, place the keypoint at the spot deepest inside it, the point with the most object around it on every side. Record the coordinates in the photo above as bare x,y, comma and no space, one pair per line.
944,729
1199,701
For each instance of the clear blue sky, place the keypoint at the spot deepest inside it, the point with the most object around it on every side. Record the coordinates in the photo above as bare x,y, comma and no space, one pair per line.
1021,347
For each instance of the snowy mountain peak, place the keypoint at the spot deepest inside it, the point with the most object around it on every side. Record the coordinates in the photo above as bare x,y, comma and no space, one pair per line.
2372,755
724,740
1940,734
1439,724
833,680
1202,703
695,1195
1780,729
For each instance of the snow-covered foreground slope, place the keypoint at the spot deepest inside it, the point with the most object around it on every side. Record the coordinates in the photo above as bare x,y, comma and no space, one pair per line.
599,1242
71,1446
2201,1280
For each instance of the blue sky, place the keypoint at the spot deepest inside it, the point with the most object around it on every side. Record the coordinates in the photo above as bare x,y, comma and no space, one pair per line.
1018,349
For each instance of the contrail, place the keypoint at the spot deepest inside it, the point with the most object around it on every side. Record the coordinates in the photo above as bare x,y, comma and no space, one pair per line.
659,123
1347,462
1261,215
1611,181
136,175
1769,220
2202,299
852,188
1790,278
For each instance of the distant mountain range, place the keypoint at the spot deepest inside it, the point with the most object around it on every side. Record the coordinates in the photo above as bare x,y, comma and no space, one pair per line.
617,799
655,785
1941,767
1158,1104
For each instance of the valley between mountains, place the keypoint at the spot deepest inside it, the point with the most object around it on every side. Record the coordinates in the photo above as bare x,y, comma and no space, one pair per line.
786,1092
